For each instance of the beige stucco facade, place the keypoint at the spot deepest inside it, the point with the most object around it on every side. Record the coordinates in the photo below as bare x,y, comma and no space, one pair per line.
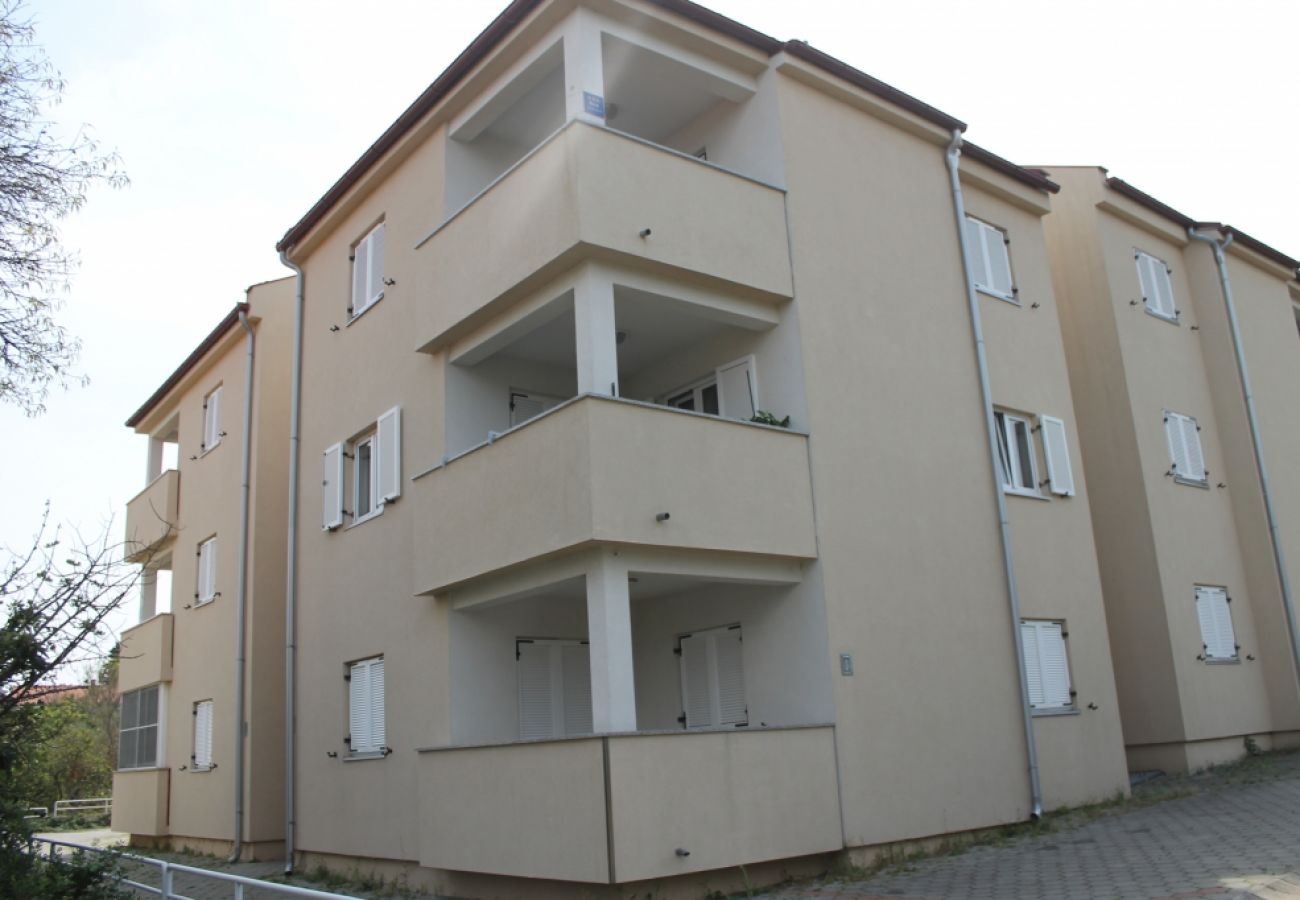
646,483
1159,538
187,653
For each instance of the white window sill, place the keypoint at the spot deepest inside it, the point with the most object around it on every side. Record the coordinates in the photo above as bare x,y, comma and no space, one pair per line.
1013,299
143,769
1223,661
365,309
206,450
201,770
1172,320
1055,711
361,757
373,514
1203,484
198,603
1021,492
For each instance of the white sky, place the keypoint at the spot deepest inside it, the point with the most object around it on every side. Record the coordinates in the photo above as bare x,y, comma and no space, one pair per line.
233,118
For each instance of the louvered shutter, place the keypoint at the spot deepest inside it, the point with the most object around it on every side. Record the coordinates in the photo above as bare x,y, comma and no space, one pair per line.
730,674
575,668
536,701
360,275
999,263
1216,623
1033,665
1056,450
212,420
979,273
378,731
1053,665
1177,450
207,580
202,756
359,737
737,397
1150,296
332,488
1164,288
696,701
389,455
1192,448
375,275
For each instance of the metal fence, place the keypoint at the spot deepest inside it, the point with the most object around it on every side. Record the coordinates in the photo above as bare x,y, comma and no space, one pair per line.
92,805
241,887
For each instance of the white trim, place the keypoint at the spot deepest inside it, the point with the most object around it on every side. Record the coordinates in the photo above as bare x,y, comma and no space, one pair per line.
1009,462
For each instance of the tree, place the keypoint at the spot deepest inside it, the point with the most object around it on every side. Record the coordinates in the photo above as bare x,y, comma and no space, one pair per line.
43,178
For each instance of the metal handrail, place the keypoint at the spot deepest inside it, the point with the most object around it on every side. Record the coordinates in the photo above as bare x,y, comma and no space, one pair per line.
167,870
90,804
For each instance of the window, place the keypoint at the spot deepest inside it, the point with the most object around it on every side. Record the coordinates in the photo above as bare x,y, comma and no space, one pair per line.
731,391
212,433
366,707
376,472
138,739
201,756
206,589
713,678
367,271
554,687
990,260
1016,454
1157,291
1217,637
1184,437
1046,666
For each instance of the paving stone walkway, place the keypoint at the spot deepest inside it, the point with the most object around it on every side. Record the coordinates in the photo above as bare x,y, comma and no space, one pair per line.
1230,841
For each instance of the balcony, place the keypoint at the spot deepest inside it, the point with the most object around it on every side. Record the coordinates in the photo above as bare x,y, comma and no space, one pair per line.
629,802
590,192
146,654
140,801
151,517
596,469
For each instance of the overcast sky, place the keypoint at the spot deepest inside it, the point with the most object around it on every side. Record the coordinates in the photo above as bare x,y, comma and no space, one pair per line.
233,118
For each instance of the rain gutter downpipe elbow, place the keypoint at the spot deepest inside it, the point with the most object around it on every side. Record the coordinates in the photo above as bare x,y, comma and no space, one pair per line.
241,638
1257,445
990,426
291,571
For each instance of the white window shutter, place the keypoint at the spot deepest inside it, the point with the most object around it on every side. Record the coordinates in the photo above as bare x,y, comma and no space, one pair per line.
536,701
211,578
1177,449
202,757
576,675
332,488
1033,665
360,275
999,263
212,420
1216,623
1164,288
378,731
696,702
979,273
1056,449
728,649
375,275
389,455
737,393
1192,447
1150,296
359,737
1053,665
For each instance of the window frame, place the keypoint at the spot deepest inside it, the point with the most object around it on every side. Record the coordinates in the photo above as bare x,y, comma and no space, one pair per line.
197,765
212,433
157,725
1166,273
370,441
1039,627
370,750
985,230
696,391
366,246
1004,420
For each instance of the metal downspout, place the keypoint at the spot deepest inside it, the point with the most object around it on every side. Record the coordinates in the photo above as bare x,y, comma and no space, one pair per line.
291,572
990,427
1256,444
241,640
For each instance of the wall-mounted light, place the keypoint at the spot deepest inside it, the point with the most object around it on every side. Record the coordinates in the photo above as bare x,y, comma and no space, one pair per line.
645,233
661,517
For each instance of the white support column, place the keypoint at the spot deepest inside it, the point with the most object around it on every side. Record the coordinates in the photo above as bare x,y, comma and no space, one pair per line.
148,594
609,631
584,75
596,337
154,466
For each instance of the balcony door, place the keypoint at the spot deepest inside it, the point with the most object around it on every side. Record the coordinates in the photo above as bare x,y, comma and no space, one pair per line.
554,688
713,678
525,405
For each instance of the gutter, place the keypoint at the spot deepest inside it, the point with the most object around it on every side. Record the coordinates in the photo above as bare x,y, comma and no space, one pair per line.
291,571
990,426
241,640
1256,444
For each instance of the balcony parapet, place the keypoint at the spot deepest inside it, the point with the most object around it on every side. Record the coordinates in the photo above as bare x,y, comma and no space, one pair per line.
591,192
151,517
603,470
146,654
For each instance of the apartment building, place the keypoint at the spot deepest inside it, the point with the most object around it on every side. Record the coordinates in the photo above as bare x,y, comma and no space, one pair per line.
210,528
1197,591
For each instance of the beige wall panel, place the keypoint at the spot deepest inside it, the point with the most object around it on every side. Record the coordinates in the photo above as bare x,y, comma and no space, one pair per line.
140,801
729,798
534,810
151,518
889,368
146,654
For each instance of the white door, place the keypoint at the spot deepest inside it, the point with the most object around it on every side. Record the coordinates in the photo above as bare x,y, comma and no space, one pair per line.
737,392
554,687
713,678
